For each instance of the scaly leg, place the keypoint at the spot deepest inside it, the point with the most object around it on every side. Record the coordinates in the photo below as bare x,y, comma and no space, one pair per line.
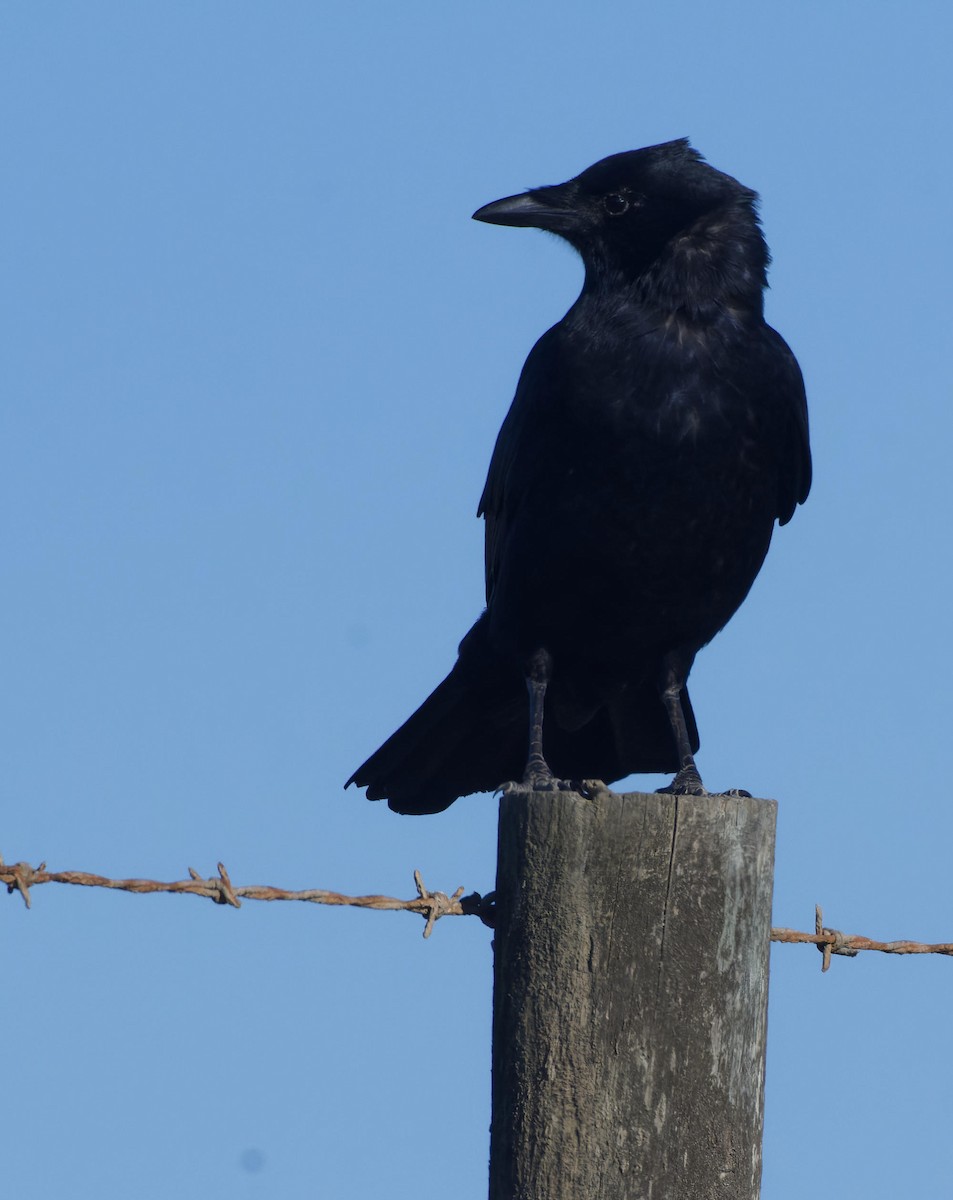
537,777
675,670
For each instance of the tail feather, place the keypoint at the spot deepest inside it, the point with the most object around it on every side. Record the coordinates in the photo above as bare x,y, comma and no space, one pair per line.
628,735
468,736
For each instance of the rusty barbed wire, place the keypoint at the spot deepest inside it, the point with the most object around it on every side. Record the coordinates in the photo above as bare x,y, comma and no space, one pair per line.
20,877
832,941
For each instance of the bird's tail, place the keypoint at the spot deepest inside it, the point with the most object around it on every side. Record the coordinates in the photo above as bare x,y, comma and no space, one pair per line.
628,734
469,735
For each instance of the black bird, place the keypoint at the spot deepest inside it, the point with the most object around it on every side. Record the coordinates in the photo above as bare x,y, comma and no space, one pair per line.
657,433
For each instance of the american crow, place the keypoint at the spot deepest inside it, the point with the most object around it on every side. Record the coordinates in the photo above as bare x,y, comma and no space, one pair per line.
657,433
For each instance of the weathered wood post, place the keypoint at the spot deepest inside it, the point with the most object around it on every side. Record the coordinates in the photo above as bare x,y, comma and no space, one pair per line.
630,996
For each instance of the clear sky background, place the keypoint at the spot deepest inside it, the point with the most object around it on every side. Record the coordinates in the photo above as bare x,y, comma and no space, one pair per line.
255,357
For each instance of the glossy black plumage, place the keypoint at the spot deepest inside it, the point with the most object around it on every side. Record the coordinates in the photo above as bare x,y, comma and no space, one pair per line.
657,433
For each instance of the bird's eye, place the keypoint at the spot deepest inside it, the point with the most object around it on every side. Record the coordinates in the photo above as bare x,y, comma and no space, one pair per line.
615,204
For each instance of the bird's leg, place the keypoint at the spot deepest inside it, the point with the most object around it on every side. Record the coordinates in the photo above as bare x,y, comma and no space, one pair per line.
538,671
537,777
687,782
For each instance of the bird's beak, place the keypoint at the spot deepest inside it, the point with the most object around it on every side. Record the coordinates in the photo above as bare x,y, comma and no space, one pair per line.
542,208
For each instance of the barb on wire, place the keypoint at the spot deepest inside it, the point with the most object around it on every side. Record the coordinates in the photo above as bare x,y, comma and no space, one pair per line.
20,877
832,941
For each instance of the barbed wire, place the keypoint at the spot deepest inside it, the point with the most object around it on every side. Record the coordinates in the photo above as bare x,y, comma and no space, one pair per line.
832,941
20,877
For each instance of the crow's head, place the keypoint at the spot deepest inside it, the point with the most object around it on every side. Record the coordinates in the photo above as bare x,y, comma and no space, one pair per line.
660,208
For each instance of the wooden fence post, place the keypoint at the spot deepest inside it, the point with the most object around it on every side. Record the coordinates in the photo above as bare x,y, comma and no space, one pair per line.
630,996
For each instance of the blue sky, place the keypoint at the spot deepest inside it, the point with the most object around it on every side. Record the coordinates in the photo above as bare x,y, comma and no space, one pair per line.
256,357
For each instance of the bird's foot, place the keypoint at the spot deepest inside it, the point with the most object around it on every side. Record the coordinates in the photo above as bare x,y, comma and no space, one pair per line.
538,783
539,778
686,783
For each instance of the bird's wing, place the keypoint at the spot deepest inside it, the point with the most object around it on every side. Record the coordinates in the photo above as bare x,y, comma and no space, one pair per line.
786,391
512,455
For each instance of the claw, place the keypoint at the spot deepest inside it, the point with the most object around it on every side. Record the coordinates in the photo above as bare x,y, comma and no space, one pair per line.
686,783
539,782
